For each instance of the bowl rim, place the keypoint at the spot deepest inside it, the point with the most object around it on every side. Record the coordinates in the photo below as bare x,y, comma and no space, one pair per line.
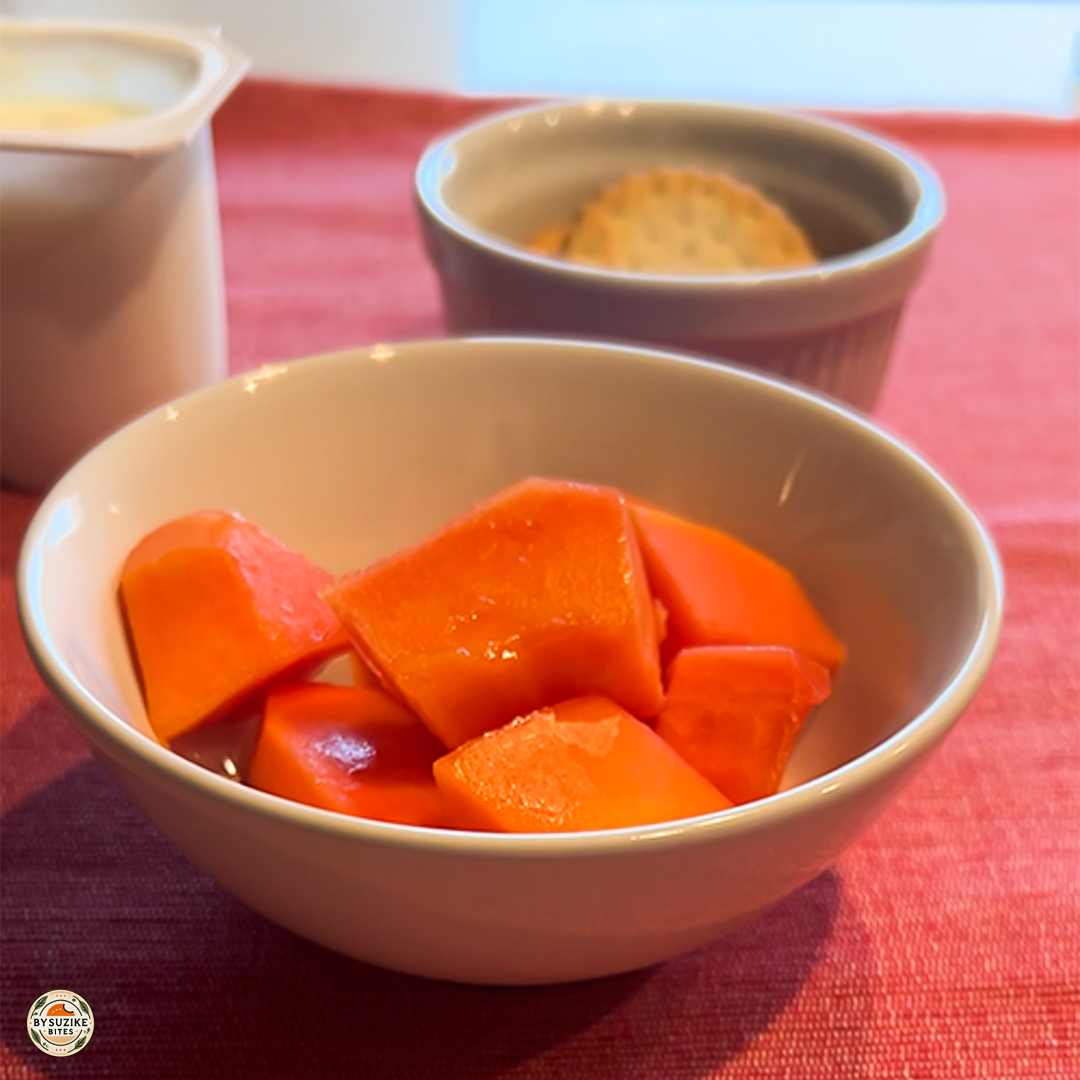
910,742
926,217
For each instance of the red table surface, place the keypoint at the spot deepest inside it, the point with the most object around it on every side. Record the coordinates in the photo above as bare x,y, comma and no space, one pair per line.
945,943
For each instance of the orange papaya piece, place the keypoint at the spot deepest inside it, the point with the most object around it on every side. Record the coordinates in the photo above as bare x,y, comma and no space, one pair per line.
215,608
535,595
581,764
733,713
350,749
661,615
719,591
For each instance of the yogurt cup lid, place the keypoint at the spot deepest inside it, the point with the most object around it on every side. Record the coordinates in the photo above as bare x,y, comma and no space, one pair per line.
110,88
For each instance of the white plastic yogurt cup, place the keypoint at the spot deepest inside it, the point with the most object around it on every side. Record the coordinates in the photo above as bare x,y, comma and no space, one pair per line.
112,296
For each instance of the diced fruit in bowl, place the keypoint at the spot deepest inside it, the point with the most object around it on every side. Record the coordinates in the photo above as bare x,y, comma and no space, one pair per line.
532,597
351,749
215,608
580,764
524,637
733,713
351,457
719,591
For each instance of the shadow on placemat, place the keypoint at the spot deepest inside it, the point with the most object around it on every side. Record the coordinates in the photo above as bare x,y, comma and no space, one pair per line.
186,982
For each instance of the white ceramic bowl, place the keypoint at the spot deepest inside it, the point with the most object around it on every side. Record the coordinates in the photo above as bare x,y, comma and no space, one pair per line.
349,456
870,209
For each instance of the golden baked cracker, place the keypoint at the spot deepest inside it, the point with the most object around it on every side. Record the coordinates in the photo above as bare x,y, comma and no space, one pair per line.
680,221
549,241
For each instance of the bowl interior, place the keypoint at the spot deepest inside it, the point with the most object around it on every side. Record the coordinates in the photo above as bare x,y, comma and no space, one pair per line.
350,456
518,173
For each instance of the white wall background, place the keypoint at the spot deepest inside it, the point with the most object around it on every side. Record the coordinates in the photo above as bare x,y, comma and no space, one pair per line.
1010,55
403,43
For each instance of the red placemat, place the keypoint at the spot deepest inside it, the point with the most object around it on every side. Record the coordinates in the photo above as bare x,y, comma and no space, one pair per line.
945,944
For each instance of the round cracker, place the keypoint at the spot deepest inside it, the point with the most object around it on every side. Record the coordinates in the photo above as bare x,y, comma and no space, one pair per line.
681,221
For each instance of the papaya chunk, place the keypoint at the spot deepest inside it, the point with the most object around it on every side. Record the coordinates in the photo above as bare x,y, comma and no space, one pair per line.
215,608
719,591
581,764
733,713
351,749
535,595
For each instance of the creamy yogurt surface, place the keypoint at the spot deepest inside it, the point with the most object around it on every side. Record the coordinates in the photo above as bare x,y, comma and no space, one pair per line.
66,114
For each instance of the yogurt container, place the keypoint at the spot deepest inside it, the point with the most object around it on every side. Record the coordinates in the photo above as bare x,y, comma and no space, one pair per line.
112,297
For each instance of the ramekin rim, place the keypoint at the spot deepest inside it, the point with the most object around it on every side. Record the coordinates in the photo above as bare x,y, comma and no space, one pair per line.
926,217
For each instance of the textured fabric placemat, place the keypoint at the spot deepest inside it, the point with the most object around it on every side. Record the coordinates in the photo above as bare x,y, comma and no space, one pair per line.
944,944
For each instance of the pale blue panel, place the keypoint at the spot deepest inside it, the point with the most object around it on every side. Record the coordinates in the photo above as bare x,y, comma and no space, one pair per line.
936,54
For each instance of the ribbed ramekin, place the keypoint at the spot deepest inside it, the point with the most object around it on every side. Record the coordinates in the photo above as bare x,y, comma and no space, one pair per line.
871,210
